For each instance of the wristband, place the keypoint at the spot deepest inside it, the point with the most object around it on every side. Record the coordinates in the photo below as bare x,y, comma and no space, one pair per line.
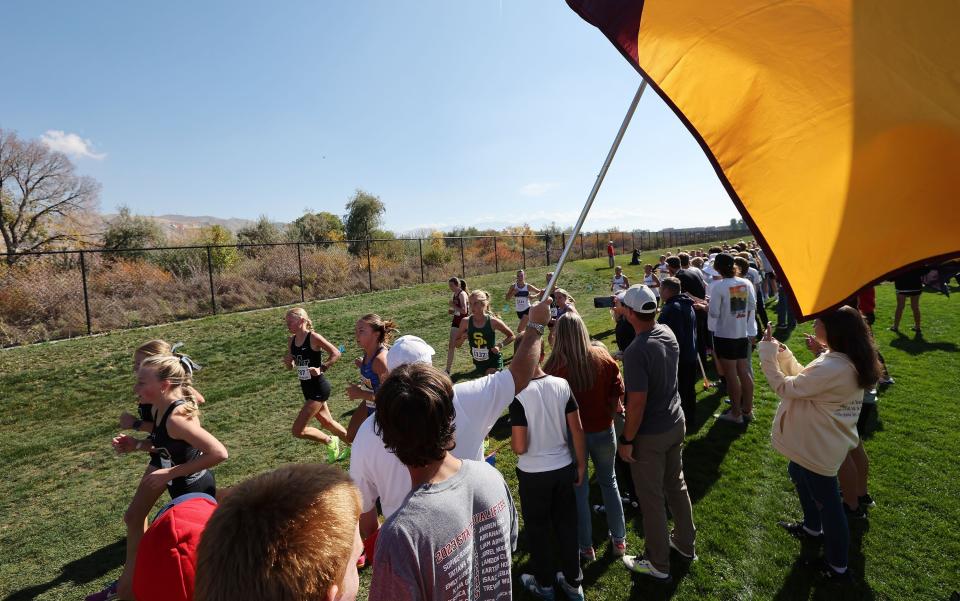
537,327
624,441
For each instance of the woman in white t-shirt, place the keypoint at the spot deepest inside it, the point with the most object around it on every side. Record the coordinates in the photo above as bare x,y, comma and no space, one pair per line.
730,318
620,281
651,280
541,416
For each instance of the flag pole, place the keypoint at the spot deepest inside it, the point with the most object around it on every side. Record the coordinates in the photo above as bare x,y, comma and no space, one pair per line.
596,188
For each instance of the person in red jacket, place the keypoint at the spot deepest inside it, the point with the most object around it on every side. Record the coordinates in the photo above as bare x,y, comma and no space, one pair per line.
610,252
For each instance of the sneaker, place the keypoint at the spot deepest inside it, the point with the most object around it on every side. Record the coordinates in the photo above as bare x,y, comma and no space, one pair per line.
798,530
866,501
105,595
333,449
600,509
619,546
639,565
529,583
855,514
588,554
829,574
674,546
574,593
748,417
887,381
728,417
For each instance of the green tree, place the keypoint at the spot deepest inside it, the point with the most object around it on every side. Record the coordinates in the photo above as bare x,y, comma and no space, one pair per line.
262,232
224,257
316,228
126,231
364,215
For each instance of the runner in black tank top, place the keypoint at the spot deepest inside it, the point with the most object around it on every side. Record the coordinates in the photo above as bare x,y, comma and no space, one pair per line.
305,355
170,452
183,456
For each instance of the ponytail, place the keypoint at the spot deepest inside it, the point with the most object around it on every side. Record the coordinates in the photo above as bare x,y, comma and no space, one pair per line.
385,328
463,285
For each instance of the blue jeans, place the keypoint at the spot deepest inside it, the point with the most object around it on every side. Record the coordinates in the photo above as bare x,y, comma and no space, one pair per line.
784,314
602,448
823,510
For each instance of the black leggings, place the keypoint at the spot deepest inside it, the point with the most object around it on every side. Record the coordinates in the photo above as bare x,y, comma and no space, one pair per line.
549,506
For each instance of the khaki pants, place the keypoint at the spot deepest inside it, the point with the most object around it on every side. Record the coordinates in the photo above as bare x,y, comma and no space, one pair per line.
658,477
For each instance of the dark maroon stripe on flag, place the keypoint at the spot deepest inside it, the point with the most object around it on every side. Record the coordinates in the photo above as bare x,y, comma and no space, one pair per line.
619,20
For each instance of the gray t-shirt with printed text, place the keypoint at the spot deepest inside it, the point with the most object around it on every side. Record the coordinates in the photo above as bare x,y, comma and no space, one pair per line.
452,540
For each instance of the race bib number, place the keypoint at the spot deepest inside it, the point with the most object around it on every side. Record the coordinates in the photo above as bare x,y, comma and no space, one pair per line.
481,354
553,312
522,302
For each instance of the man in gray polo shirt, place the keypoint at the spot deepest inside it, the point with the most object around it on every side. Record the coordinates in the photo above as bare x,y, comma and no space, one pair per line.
652,438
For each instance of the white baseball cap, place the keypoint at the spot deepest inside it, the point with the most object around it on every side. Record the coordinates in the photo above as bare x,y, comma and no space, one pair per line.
639,298
409,349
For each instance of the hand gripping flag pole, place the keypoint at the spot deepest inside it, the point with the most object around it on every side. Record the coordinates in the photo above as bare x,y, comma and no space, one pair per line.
596,188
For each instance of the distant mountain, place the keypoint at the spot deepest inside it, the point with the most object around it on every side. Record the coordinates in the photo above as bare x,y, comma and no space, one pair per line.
184,223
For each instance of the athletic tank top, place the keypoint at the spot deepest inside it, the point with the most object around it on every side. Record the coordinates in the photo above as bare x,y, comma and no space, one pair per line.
648,280
305,357
171,451
458,308
521,297
560,311
619,283
369,377
481,340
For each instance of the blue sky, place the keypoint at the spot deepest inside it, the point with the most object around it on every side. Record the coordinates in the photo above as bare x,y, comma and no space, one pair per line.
454,113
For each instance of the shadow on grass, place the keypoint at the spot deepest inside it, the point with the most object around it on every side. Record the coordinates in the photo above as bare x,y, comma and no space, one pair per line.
803,578
80,571
702,457
918,345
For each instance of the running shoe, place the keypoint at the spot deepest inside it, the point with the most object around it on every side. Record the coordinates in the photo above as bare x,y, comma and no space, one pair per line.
618,546
798,530
531,585
588,554
829,574
866,501
333,449
728,417
574,593
887,380
855,514
640,565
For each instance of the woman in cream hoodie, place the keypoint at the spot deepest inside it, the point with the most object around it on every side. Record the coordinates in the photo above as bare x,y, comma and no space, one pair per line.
816,423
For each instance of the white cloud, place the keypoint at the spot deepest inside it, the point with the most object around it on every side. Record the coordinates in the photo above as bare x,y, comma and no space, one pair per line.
70,144
537,188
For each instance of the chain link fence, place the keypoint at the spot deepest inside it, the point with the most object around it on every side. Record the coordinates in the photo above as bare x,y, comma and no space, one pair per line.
61,294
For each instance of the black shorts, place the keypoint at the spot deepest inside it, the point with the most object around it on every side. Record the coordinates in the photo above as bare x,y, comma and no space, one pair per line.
520,314
731,348
871,317
456,321
204,482
909,292
316,389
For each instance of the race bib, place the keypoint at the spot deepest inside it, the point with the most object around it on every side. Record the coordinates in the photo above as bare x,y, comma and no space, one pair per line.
481,354
522,302
553,312
303,372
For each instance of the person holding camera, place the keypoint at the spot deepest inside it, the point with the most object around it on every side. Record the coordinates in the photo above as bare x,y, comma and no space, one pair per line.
816,424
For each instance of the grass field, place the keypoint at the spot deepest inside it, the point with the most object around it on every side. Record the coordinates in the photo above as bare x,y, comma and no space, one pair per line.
63,490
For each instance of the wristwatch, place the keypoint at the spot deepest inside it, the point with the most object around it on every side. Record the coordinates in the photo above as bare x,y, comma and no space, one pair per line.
538,327
623,440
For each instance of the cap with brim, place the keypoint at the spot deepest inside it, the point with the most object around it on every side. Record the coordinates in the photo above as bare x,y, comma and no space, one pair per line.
409,349
641,299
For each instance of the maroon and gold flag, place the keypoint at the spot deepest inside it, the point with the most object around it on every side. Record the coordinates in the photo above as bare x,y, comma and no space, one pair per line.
834,125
